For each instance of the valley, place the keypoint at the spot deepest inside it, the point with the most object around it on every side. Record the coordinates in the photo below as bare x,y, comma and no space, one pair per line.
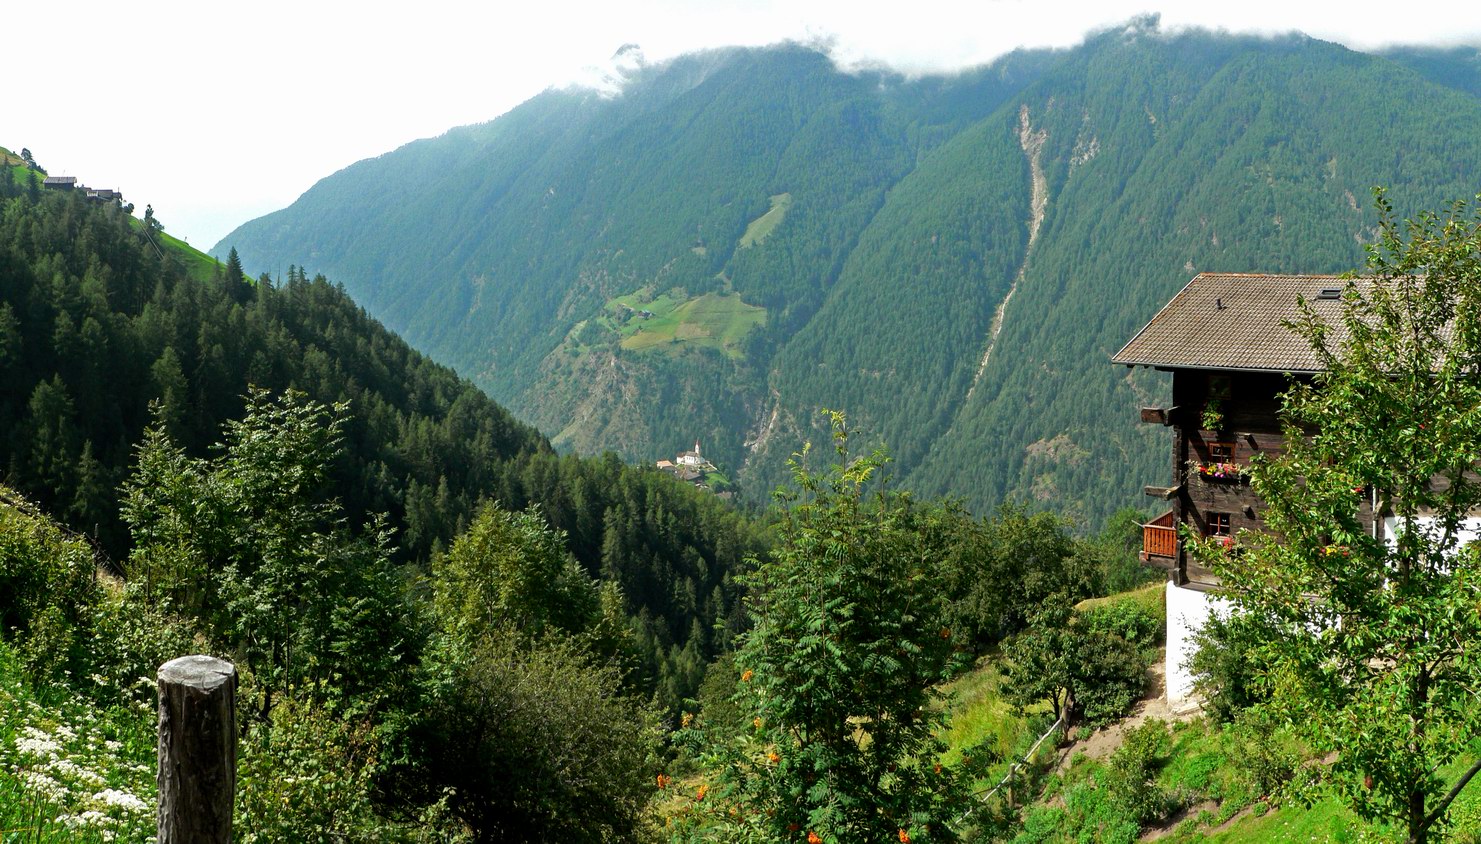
951,260
731,449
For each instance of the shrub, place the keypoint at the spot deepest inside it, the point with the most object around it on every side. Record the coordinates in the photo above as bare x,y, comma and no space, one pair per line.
529,741
1266,753
305,775
48,590
1113,678
1131,777
1132,621
1226,668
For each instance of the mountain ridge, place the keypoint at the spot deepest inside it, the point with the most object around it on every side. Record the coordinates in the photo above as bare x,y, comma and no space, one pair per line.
1128,163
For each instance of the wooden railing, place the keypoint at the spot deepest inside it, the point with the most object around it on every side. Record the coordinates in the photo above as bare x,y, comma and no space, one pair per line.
1160,537
1159,541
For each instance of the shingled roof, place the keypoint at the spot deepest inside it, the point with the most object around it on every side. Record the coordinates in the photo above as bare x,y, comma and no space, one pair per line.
1234,321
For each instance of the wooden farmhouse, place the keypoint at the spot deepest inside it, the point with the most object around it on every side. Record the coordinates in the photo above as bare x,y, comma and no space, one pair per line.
1231,357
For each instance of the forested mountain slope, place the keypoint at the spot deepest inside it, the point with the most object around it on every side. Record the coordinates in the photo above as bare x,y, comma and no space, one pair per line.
101,315
744,236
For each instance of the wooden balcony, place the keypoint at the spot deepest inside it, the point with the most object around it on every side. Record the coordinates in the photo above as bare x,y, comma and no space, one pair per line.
1160,540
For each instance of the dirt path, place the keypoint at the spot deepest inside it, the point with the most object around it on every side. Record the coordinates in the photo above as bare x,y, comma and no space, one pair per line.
1103,742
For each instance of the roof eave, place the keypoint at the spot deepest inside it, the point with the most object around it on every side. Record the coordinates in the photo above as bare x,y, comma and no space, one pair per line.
1209,367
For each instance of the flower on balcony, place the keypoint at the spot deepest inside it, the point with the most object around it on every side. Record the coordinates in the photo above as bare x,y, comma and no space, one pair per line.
1222,471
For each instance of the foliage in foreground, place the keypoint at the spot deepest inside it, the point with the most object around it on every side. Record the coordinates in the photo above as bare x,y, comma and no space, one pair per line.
250,548
69,770
1372,655
523,727
839,674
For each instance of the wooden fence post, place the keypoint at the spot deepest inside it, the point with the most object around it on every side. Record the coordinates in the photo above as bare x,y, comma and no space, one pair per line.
197,750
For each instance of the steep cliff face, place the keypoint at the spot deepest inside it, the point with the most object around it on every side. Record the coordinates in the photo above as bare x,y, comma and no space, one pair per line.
743,237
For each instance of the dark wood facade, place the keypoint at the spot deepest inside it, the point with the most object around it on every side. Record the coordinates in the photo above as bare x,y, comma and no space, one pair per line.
1224,339
1204,502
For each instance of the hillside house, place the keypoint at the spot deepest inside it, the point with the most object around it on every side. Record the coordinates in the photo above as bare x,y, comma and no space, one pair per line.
1230,356
59,182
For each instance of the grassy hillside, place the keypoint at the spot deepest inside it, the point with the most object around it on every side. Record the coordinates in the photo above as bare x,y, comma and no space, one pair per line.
714,320
951,260
760,228
1204,781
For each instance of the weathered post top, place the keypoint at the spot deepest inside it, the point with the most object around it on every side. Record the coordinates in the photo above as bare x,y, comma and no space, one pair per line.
197,749
205,673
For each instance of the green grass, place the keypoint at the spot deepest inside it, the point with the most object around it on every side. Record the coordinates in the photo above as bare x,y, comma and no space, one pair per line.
714,320
199,265
1326,820
17,166
982,718
1152,598
761,227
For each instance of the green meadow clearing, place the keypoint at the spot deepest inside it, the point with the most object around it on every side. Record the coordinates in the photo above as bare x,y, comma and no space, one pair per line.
762,226
714,320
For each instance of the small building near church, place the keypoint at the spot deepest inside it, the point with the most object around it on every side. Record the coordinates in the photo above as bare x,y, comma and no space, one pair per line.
692,458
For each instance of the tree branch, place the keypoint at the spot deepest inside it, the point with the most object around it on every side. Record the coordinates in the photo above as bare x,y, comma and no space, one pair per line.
1445,801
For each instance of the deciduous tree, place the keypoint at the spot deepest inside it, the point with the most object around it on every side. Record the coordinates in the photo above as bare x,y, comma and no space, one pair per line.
839,675
1374,648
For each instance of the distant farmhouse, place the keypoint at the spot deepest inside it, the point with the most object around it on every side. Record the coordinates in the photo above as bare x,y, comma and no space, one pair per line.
68,183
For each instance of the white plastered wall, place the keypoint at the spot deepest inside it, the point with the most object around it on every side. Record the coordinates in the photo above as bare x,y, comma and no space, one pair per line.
1187,611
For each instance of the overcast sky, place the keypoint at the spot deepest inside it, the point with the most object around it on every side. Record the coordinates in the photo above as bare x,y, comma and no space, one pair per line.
218,112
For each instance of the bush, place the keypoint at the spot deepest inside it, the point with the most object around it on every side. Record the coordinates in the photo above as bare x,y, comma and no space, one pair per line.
131,640
1131,778
48,591
1266,753
1113,678
305,776
1135,622
529,742
1226,668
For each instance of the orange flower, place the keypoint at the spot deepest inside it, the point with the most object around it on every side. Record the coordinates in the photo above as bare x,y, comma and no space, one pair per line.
773,757
703,790
946,632
792,827
938,767
756,722
814,838
746,677
687,719
904,837
663,780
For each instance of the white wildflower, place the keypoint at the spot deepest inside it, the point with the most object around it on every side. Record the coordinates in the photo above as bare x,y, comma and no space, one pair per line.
43,784
37,747
71,770
121,799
